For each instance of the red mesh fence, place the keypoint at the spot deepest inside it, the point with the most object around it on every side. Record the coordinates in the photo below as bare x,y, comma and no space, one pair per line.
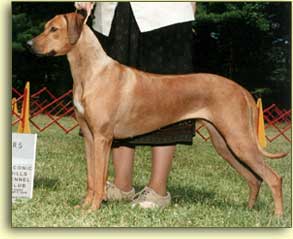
46,110
279,121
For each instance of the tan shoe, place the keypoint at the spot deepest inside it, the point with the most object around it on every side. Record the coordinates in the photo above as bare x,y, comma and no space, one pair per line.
148,198
115,194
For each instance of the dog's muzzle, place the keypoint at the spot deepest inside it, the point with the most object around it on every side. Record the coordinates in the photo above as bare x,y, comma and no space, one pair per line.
30,46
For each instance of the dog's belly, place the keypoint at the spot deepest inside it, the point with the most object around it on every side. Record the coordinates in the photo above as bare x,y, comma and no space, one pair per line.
133,126
147,124
128,131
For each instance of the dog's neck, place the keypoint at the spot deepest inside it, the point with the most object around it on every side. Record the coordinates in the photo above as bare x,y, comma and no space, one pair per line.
87,54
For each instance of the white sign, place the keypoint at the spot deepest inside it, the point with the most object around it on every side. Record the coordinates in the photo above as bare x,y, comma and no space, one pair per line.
23,164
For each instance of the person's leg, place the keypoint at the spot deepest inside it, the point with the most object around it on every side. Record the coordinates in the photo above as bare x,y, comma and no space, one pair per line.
123,166
161,165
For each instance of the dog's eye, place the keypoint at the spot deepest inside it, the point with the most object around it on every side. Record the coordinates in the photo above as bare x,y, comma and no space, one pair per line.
53,29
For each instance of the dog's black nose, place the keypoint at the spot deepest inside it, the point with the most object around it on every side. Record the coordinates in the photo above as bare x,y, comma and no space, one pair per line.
29,44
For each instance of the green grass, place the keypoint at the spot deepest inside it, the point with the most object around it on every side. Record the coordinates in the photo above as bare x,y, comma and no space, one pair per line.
206,191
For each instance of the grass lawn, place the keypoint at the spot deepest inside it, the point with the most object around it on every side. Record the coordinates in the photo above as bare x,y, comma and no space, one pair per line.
206,191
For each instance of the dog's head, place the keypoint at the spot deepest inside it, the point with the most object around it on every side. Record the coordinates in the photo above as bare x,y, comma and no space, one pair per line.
59,36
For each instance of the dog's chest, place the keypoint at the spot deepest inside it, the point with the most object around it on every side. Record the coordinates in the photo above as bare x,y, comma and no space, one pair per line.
77,98
78,106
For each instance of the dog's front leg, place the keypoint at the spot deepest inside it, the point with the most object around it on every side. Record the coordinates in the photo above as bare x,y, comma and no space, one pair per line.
102,147
89,155
89,147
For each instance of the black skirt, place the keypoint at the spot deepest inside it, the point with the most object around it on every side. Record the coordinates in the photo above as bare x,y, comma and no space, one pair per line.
166,50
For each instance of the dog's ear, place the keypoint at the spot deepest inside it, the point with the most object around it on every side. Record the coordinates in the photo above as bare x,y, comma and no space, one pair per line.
75,23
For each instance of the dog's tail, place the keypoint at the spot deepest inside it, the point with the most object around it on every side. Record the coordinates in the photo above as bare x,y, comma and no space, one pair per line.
253,117
271,155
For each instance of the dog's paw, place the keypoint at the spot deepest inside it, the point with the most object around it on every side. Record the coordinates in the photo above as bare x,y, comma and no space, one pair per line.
96,204
78,206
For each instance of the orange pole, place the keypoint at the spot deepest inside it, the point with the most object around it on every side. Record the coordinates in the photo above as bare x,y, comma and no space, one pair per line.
24,126
261,125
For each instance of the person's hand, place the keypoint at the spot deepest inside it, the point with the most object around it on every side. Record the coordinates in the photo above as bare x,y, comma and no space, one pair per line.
88,6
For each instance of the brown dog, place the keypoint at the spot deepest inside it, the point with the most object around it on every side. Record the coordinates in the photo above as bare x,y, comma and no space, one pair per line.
116,101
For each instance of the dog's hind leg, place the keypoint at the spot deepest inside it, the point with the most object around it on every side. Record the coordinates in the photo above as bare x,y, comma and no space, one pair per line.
245,148
253,181
250,155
